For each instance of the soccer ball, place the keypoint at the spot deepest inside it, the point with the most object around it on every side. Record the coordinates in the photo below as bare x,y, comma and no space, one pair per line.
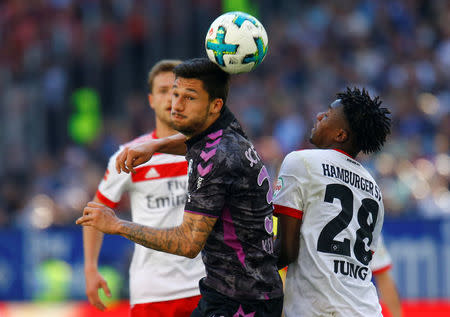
237,42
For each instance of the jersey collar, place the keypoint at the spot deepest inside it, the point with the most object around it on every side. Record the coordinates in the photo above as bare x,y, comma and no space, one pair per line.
343,152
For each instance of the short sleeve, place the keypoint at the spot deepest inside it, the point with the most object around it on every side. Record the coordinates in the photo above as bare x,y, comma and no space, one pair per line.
377,241
381,260
290,187
113,184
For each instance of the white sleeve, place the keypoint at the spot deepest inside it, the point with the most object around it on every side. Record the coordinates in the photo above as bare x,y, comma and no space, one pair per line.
377,232
113,184
381,259
290,188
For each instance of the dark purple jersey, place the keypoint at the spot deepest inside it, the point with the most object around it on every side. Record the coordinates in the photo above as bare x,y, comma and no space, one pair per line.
228,181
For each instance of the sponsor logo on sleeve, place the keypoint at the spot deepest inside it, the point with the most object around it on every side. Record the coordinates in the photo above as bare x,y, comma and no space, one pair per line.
278,186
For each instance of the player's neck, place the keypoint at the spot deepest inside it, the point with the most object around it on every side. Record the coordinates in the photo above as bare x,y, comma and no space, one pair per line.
163,130
345,149
340,147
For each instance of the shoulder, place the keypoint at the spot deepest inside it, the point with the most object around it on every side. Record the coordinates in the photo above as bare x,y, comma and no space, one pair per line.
235,142
141,138
308,153
225,144
303,156
301,163
228,152
157,158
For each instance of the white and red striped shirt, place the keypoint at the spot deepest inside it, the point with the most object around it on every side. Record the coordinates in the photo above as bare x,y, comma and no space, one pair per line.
157,195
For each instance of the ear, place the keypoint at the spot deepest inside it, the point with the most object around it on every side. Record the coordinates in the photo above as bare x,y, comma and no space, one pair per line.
341,136
150,98
216,106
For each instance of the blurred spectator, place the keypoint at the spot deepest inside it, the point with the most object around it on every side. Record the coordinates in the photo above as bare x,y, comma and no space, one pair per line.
399,49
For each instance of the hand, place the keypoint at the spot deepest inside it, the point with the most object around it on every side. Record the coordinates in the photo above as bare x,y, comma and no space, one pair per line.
100,217
95,281
135,155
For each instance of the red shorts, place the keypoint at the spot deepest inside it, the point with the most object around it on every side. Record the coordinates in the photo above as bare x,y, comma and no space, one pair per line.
182,307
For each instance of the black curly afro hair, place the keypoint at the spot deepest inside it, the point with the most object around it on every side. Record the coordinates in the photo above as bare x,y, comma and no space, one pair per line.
368,121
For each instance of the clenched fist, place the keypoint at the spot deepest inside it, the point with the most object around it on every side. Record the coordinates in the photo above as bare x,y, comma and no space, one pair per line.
100,217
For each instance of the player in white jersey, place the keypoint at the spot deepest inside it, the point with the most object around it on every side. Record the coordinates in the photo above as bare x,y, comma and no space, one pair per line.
161,284
331,212
380,265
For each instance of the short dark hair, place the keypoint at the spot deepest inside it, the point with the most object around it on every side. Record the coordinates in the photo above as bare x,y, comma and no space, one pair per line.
368,121
163,66
215,81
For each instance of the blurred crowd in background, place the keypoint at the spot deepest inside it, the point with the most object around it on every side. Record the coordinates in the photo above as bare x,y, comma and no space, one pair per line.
73,88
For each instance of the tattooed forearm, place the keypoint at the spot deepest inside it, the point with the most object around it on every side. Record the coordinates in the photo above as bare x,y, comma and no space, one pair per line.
187,239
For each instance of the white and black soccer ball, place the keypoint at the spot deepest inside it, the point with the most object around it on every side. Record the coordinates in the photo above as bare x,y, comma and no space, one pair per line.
237,42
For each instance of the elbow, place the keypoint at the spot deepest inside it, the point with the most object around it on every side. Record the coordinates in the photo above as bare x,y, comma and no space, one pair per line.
190,243
288,252
283,261
286,258
291,257
193,245
192,253
191,250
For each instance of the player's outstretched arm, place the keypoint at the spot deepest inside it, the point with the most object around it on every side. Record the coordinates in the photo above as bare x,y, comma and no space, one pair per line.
92,243
287,239
136,154
188,239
